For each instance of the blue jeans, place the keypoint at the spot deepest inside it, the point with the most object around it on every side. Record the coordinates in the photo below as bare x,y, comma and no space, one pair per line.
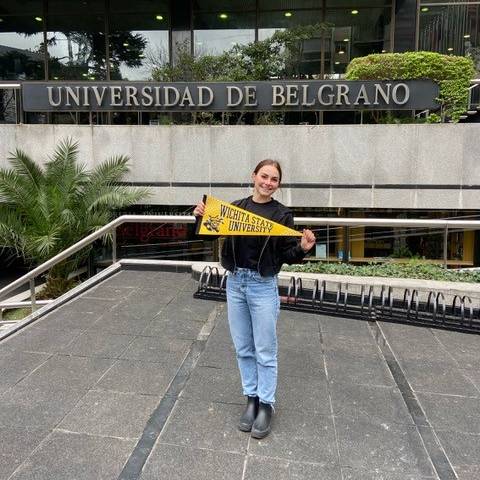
253,306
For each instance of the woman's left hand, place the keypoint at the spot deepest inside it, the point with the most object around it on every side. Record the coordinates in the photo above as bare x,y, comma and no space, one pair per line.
308,240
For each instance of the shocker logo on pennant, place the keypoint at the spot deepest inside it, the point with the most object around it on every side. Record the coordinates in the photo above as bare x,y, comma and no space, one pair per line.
222,218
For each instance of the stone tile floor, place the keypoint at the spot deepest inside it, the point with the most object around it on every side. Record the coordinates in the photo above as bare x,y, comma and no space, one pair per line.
137,379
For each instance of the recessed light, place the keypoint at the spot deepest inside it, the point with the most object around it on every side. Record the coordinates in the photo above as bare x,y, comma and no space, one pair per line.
384,51
84,74
354,12
55,78
424,9
337,63
1,20
223,16
341,52
38,19
159,17
288,14
450,49
346,39
125,44
467,35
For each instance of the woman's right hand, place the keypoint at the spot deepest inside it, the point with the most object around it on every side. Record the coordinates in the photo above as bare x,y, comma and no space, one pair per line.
199,210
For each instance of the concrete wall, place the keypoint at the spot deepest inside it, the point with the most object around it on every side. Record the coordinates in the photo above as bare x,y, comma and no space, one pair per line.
377,166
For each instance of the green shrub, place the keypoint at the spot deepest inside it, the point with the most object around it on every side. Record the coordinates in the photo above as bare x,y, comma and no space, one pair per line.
415,268
452,73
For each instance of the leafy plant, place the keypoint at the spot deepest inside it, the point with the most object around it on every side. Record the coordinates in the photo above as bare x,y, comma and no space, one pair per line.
415,268
452,73
44,210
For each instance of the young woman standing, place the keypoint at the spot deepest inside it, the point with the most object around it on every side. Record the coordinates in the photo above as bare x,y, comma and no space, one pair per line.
253,301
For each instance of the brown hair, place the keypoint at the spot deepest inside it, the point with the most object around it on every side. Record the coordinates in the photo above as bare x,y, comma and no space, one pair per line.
273,163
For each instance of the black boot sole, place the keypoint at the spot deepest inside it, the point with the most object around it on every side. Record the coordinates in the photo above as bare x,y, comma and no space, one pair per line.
244,427
259,435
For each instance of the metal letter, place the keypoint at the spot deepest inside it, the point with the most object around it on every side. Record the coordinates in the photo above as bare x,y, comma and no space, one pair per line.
383,94
230,102
201,102
292,95
330,96
86,99
50,96
98,97
147,93
75,95
305,102
131,94
278,92
342,92
362,95
116,94
187,97
251,94
406,94
176,93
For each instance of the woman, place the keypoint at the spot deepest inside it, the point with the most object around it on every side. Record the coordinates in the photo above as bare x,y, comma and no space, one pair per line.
253,302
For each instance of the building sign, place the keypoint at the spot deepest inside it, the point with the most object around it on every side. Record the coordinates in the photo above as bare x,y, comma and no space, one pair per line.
234,96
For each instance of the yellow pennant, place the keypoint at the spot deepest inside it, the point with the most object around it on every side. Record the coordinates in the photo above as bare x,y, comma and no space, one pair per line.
222,218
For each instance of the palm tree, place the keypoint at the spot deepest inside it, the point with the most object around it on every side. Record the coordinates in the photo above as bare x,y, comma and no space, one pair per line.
45,210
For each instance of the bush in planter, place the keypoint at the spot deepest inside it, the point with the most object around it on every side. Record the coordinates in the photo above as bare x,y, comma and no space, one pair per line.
452,73
44,210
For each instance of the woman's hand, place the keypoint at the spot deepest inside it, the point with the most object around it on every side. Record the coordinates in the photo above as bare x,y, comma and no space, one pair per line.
308,240
199,210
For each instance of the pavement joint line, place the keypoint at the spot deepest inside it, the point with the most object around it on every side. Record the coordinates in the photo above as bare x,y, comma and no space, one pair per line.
135,463
437,455
332,413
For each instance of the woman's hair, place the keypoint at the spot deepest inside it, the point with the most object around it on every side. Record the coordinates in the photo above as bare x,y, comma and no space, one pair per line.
273,163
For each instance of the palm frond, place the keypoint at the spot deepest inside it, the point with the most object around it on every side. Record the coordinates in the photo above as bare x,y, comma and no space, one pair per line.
118,197
110,171
14,190
26,167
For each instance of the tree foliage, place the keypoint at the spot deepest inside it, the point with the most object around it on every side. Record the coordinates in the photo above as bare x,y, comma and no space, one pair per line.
452,73
44,210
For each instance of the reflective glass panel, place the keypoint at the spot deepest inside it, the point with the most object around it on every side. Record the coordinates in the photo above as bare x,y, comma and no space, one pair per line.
23,7
288,4
76,47
139,6
355,35
68,7
451,29
223,5
217,32
309,63
138,42
21,48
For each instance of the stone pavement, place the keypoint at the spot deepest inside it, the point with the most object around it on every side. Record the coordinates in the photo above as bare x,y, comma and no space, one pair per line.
136,379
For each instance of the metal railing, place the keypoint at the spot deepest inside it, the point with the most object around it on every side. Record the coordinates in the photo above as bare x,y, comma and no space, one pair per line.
110,229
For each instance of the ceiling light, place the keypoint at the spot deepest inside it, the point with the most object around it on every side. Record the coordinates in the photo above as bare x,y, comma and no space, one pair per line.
341,52
38,19
288,14
467,35
223,16
450,49
55,78
354,12
1,20
125,44
84,75
384,51
424,9
337,63
346,39
159,17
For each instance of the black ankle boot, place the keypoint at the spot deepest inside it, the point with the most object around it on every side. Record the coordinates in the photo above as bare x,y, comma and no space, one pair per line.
249,414
262,424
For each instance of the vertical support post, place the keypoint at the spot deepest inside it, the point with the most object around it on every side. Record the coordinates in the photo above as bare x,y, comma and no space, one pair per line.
114,245
346,244
445,249
32,294
328,244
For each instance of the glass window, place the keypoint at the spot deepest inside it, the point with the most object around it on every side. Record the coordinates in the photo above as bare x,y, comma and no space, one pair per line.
8,106
223,5
217,32
309,61
138,42
451,29
21,48
76,47
355,35
14,7
288,4
84,7
139,6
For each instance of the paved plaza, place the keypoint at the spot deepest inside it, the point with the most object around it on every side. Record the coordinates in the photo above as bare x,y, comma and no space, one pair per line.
136,379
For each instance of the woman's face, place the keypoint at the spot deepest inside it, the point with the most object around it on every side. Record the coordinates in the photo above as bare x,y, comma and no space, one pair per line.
266,181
